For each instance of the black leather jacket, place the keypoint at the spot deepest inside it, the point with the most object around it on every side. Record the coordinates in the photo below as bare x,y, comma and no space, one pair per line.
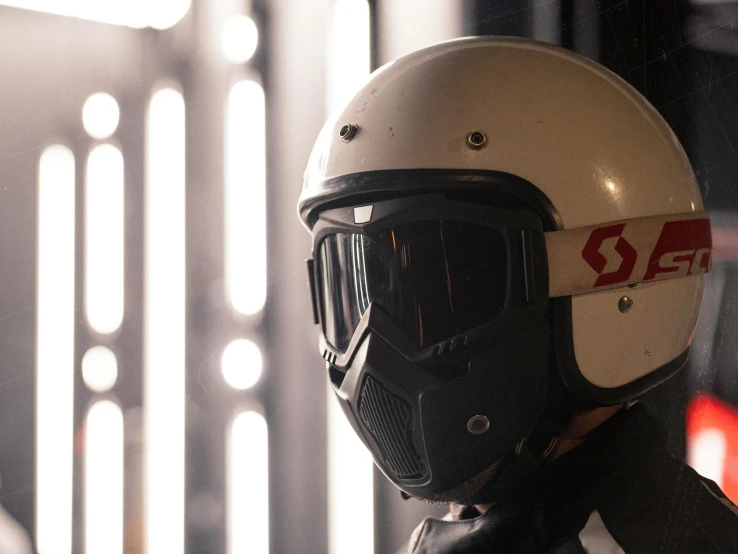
618,492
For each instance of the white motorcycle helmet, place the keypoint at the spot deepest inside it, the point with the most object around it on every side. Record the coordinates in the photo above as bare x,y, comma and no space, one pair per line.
503,232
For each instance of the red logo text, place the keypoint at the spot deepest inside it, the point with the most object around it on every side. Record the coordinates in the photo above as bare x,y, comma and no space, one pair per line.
683,248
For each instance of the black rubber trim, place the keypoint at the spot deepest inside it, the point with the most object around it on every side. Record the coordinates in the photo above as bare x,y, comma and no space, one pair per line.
393,183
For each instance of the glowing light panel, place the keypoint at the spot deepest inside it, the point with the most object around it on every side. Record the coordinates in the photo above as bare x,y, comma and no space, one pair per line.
100,115
350,466
350,487
99,369
163,14
248,485
104,479
104,238
240,38
55,350
164,323
245,198
349,56
160,14
241,364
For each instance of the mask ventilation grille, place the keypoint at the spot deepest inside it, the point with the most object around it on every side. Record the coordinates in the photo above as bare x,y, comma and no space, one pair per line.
389,419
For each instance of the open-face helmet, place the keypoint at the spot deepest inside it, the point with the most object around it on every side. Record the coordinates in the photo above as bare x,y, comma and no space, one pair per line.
503,232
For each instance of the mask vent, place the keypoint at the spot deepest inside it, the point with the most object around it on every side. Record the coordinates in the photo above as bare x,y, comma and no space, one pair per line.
389,419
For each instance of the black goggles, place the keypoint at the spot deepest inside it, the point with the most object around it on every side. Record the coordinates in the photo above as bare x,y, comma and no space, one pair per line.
438,268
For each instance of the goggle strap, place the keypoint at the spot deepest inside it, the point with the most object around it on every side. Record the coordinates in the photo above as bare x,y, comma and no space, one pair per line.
620,253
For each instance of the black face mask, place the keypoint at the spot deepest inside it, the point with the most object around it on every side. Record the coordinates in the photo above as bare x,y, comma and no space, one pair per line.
433,316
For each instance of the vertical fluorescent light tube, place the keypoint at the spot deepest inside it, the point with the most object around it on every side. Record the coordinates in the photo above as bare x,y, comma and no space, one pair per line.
164,323
55,351
104,238
350,468
104,479
350,487
248,485
348,58
245,198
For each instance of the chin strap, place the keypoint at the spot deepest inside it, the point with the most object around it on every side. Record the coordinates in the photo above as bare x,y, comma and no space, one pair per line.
557,413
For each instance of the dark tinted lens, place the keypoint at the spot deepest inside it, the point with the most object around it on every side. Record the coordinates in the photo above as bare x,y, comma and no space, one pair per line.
436,279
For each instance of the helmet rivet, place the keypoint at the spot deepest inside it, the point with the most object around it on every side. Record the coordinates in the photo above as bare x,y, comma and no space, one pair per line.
476,139
348,131
625,304
477,425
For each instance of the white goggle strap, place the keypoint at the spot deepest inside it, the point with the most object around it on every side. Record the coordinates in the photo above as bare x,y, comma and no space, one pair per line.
612,255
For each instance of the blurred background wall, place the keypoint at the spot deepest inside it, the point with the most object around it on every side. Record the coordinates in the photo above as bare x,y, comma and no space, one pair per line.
159,384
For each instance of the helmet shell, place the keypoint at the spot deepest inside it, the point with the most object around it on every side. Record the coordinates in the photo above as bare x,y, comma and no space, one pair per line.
588,140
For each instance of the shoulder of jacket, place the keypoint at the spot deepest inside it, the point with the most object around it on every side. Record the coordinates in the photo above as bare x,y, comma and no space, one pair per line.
669,507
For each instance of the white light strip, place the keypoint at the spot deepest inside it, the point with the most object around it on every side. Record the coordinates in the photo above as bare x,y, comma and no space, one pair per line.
99,369
104,479
410,25
350,466
241,364
349,57
160,14
239,39
55,351
100,115
164,323
245,198
248,485
350,487
104,238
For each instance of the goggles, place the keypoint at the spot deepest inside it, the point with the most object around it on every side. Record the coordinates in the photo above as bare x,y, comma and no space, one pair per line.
449,273
438,269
